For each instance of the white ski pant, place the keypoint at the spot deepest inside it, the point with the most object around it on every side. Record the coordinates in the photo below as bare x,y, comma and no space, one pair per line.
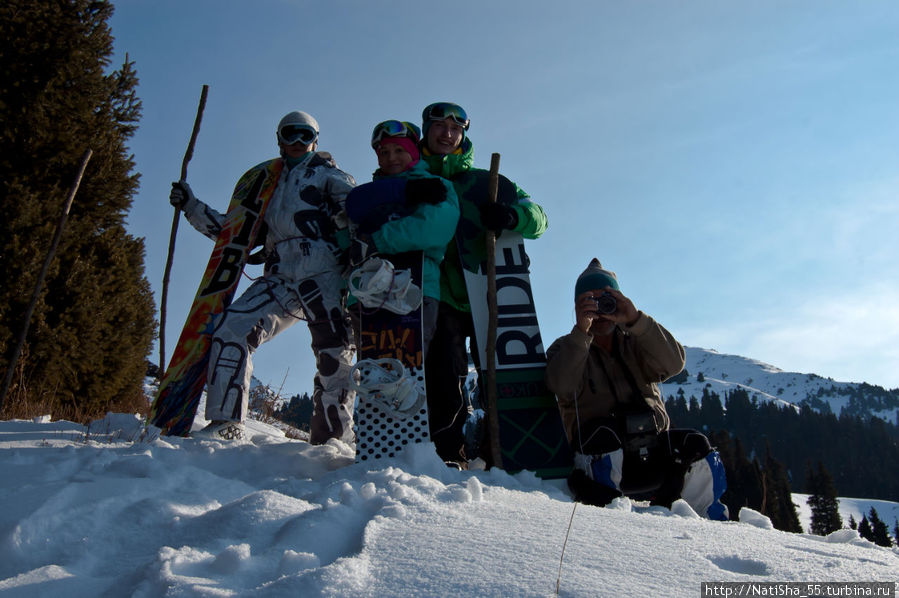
267,308
704,483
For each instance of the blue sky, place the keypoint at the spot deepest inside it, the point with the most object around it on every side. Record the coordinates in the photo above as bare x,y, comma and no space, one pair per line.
736,163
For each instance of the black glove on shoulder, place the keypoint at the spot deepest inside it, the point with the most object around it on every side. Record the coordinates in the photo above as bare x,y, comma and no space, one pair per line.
497,216
430,190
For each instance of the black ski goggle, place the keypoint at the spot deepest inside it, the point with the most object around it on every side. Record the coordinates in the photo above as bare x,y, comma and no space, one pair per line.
290,134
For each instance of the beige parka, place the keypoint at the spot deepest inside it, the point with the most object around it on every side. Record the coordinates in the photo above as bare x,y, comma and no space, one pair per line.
590,383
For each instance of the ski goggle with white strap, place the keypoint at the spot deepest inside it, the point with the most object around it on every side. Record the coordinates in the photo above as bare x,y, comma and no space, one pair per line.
290,134
444,110
394,128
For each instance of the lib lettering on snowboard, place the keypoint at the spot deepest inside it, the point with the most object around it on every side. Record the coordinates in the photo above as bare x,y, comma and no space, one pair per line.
179,393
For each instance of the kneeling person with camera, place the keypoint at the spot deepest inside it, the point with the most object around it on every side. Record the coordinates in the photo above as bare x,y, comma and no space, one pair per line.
605,375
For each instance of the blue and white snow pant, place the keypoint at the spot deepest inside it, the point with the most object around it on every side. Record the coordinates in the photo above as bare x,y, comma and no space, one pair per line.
268,307
683,463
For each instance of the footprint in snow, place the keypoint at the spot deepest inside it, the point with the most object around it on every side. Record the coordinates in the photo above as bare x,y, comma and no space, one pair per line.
737,564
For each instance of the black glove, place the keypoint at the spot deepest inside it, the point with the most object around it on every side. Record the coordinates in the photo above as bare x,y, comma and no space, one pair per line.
431,191
497,216
181,194
362,247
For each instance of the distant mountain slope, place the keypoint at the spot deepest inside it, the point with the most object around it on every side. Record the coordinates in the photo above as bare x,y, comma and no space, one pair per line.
722,373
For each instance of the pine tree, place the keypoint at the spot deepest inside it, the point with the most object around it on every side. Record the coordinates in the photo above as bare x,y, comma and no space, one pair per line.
92,329
853,524
711,410
823,501
864,529
778,496
879,533
896,531
297,413
744,486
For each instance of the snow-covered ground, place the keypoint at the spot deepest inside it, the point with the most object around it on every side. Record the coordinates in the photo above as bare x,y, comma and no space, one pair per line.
101,512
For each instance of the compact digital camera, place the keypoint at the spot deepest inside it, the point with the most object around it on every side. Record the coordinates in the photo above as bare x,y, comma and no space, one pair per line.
606,304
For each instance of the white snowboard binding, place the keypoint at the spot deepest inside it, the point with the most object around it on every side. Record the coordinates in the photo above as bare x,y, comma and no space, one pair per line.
385,381
378,285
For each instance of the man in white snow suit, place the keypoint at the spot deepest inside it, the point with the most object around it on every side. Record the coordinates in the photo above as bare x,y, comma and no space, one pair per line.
605,375
304,222
448,152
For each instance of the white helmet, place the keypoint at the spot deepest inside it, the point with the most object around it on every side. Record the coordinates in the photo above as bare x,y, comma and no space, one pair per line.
297,126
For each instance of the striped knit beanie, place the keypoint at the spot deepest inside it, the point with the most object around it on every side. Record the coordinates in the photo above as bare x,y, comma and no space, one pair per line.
594,277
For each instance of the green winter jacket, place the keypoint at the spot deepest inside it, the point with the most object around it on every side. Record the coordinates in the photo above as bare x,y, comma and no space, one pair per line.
429,228
531,223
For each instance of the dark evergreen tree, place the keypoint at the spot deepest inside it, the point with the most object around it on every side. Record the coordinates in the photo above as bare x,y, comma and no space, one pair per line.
740,413
744,485
864,529
677,409
858,450
93,326
297,413
853,524
823,501
711,410
779,506
879,533
693,419
680,377
896,531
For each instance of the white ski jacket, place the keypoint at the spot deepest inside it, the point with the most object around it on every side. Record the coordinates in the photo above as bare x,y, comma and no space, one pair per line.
305,219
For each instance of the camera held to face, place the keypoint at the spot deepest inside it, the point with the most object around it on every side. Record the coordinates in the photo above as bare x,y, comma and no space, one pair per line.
606,304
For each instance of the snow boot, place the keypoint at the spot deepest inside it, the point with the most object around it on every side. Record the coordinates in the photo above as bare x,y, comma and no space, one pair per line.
224,430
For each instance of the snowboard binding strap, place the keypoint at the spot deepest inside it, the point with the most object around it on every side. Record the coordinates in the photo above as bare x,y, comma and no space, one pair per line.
377,284
385,381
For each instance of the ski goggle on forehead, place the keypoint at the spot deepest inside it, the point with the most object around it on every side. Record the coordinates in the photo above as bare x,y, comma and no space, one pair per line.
444,110
290,134
394,128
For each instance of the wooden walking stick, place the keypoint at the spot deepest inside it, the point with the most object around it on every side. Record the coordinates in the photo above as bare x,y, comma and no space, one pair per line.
492,316
168,262
54,245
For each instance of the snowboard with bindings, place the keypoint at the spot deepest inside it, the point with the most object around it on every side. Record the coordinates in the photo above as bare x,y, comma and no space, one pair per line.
532,436
389,376
181,388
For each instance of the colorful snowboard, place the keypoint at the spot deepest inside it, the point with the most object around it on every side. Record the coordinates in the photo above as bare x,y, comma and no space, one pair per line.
179,394
531,433
381,433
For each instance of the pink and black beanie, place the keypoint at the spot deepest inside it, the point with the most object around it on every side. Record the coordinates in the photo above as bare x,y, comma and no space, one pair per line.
404,142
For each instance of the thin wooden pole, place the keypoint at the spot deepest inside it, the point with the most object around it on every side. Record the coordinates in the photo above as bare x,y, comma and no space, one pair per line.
175,219
490,349
60,226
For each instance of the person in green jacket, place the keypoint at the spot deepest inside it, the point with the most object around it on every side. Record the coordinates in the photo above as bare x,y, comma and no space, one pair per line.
431,212
448,152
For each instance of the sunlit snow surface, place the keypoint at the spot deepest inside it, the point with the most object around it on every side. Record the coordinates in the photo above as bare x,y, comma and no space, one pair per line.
102,512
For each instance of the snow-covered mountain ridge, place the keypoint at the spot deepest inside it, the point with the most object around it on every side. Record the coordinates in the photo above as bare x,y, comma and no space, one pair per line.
722,373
